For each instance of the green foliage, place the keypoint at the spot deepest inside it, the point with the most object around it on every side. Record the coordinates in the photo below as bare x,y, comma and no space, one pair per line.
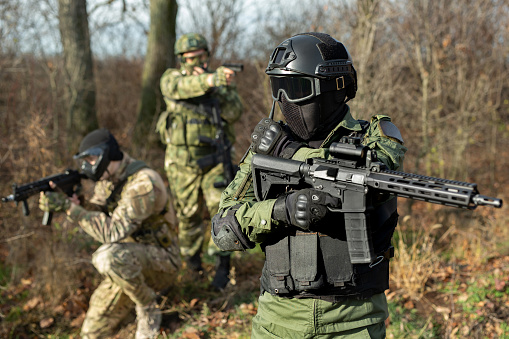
406,323
479,295
15,313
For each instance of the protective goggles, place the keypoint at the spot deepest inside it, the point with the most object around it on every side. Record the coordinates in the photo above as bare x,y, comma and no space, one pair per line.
298,89
93,151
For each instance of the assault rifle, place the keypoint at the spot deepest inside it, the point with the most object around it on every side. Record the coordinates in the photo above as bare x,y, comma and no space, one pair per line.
356,176
69,182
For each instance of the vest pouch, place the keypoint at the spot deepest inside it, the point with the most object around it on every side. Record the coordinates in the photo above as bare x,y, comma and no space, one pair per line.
278,267
304,261
371,279
336,260
199,126
177,130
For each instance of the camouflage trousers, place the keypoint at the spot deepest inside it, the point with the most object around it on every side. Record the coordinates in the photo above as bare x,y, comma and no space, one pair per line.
192,190
133,274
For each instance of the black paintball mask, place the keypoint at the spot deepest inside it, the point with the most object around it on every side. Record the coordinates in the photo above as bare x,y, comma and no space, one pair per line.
101,144
312,77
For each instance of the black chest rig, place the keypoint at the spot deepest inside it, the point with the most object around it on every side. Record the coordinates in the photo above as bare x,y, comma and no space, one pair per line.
317,264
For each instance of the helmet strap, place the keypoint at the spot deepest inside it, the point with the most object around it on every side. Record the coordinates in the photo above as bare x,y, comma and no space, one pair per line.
271,114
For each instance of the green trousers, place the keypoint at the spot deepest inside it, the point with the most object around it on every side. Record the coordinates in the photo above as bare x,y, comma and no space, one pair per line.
313,318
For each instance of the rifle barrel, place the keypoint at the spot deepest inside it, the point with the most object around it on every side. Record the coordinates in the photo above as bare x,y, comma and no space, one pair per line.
482,200
8,198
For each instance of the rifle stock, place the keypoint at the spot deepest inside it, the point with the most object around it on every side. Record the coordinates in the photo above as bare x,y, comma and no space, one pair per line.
354,176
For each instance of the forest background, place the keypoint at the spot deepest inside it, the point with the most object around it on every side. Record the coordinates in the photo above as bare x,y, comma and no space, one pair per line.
439,68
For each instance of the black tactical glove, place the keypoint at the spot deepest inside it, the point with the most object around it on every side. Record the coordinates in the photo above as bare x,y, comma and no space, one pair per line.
303,208
265,136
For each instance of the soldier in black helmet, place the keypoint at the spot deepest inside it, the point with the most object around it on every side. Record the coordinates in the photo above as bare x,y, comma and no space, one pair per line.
127,213
309,287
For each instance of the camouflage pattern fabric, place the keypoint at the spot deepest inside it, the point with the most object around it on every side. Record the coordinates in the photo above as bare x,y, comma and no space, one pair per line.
54,202
192,189
180,129
133,273
139,255
190,42
255,219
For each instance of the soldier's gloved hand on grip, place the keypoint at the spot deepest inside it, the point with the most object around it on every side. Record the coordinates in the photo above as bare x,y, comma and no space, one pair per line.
54,202
303,208
219,77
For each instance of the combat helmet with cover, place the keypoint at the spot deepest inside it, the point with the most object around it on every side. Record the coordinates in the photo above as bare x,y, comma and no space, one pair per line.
190,42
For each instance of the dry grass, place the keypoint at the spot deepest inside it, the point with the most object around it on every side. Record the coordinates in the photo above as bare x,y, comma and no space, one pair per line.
414,262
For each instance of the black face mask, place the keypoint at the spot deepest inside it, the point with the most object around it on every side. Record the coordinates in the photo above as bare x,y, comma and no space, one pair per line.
316,117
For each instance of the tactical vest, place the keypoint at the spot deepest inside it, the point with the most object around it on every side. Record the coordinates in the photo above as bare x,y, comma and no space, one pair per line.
317,264
154,229
193,128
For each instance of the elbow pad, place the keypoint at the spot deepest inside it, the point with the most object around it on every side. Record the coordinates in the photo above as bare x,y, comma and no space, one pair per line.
227,233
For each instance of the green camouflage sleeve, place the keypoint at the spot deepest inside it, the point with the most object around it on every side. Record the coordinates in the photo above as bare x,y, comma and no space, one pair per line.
176,86
255,217
136,203
390,150
231,104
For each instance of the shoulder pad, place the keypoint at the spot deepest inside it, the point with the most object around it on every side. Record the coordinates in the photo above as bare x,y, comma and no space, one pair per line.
390,130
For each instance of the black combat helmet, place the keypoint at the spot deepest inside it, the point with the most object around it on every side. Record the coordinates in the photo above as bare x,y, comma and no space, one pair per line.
100,143
314,55
312,76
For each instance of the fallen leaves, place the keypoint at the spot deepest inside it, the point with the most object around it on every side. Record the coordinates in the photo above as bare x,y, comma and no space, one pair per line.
47,322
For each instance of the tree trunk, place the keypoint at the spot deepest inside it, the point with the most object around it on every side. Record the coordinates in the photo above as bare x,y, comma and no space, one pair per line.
73,23
159,57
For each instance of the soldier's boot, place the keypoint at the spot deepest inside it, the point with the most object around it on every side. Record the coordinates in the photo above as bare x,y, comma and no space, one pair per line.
222,276
149,321
194,262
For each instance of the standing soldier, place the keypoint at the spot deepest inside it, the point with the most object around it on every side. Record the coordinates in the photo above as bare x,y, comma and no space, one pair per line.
127,213
193,96
310,289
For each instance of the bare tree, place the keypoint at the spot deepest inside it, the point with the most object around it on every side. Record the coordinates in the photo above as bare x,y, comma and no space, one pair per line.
219,22
73,22
161,40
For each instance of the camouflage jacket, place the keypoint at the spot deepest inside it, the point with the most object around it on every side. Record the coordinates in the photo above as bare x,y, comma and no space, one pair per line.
181,125
255,216
135,215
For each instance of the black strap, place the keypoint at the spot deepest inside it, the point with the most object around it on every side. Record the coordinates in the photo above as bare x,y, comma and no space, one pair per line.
291,149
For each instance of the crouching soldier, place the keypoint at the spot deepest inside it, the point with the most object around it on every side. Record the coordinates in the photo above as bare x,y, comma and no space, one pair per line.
140,253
